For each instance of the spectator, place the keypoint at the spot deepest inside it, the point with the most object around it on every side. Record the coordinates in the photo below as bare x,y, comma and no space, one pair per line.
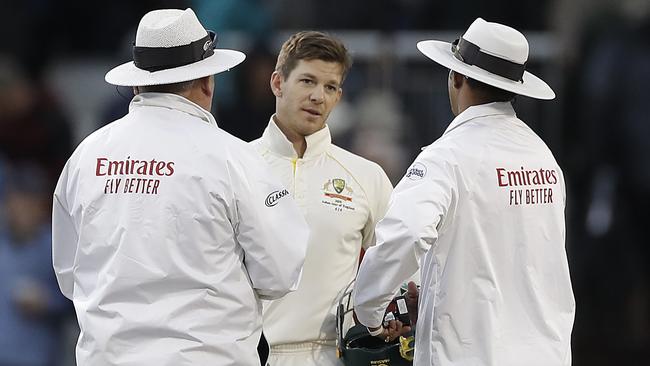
31,306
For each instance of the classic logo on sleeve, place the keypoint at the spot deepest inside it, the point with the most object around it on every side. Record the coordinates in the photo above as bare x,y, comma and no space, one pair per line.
273,197
528,186
130,176
416,171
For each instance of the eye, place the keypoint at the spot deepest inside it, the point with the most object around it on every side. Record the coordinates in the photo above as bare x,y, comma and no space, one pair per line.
331,88
307,81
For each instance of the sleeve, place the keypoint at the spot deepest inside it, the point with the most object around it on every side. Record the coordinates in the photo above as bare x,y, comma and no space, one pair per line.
270,229
417,210
64,237
378,202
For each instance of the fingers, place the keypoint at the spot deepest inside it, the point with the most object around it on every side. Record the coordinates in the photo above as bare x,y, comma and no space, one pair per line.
394,330
412,297
412,289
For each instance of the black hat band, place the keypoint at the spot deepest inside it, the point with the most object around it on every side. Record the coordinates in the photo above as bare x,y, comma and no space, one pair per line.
471,54
161,58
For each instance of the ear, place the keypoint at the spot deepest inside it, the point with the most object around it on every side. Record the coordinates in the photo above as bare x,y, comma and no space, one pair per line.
206,85
276,84
339,94
457,79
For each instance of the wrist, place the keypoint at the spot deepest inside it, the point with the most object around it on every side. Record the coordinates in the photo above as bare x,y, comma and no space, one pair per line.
375,331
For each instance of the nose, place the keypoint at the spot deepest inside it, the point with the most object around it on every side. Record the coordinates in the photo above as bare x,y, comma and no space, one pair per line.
317,95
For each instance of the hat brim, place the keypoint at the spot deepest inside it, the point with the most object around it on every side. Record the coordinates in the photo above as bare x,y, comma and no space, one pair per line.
128,74
530,86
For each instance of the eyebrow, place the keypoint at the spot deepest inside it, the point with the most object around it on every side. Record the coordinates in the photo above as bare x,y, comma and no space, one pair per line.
312,76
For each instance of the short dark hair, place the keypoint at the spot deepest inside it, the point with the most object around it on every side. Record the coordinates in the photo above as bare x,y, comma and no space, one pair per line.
175,88
490,92
312,45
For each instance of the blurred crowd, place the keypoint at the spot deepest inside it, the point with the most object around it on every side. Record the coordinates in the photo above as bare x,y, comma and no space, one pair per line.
595,54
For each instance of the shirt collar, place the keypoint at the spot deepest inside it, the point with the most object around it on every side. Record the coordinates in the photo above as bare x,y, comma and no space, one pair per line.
317,143
172,101
481,110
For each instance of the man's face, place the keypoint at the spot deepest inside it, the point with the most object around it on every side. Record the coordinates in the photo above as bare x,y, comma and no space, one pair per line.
305,99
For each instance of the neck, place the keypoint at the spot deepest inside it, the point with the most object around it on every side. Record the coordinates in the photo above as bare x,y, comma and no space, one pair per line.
198,99
467,99
297,140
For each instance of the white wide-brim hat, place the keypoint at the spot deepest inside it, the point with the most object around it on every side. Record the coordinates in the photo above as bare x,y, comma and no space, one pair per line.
171,46
491,53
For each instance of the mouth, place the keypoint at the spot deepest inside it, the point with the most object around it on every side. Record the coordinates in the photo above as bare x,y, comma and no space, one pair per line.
312,112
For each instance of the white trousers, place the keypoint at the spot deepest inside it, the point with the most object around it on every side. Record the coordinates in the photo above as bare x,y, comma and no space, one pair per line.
303,354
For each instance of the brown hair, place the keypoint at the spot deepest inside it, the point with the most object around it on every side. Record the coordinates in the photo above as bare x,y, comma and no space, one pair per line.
311,45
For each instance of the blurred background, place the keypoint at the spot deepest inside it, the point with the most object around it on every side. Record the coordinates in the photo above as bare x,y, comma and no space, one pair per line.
594,53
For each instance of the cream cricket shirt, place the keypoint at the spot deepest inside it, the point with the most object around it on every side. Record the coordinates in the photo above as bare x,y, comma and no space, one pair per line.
165,238
342,196
482,211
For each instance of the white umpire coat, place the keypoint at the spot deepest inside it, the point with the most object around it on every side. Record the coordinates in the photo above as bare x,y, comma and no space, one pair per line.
342,197
481,210
166,233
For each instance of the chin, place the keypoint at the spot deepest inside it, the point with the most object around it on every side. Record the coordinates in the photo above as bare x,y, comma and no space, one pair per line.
311,128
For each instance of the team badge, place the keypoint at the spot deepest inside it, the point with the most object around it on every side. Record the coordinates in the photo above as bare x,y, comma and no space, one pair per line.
338,194
338,184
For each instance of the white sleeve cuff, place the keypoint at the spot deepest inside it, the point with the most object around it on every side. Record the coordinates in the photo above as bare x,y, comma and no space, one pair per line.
375,332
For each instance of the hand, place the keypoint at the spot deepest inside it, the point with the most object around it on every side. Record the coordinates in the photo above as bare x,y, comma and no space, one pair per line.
395,329
412,296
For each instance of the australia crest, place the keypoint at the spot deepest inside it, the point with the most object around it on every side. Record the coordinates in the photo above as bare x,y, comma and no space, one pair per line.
337,193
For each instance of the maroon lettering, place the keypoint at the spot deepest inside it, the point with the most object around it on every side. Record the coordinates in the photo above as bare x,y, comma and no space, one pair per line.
115,167
151,165
500,176
541,174
105,166
100,165
523,177
532,196
527,173
514,178
159,167
136,169
536,180
142,169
